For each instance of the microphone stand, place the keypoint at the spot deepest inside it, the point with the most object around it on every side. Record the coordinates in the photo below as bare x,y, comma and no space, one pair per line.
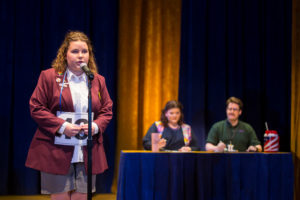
90,139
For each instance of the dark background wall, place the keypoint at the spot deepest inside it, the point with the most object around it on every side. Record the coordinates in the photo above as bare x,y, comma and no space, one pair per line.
242,49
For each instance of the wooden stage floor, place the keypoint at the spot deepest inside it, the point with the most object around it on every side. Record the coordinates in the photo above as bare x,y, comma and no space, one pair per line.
47,197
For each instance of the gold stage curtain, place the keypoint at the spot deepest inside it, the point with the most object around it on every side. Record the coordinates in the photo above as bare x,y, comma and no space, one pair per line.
148,67
295,97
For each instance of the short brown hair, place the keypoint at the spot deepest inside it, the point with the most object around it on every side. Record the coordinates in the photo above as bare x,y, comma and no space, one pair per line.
60,62
169,105
235,100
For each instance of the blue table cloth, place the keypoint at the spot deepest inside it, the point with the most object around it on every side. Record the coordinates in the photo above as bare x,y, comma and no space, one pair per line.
200,175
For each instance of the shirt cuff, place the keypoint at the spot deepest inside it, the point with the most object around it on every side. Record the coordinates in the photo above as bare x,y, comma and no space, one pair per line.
62,128
96,131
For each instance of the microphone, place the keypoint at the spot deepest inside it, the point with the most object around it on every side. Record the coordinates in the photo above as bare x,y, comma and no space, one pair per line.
87,71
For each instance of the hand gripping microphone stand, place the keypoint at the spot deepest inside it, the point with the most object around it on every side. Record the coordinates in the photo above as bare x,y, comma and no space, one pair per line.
90,76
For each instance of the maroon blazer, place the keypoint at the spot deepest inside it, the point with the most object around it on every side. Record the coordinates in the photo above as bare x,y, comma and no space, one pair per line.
43,154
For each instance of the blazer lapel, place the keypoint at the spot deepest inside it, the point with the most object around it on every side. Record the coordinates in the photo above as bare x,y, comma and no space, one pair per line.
65,92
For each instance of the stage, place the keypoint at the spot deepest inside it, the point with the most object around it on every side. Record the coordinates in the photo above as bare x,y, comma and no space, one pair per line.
47,197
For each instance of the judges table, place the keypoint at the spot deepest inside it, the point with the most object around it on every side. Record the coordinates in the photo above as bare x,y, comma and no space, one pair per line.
146,175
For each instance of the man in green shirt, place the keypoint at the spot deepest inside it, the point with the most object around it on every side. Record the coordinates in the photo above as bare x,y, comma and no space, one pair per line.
232,131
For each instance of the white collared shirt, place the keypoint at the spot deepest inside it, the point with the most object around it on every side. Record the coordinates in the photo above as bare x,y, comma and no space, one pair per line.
79,92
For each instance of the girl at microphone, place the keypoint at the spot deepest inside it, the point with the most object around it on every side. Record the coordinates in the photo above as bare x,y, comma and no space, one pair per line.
63,89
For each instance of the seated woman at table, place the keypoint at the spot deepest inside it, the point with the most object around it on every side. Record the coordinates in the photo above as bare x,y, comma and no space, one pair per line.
174,134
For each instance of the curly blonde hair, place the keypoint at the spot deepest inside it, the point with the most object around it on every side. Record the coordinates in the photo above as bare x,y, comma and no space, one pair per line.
60,62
